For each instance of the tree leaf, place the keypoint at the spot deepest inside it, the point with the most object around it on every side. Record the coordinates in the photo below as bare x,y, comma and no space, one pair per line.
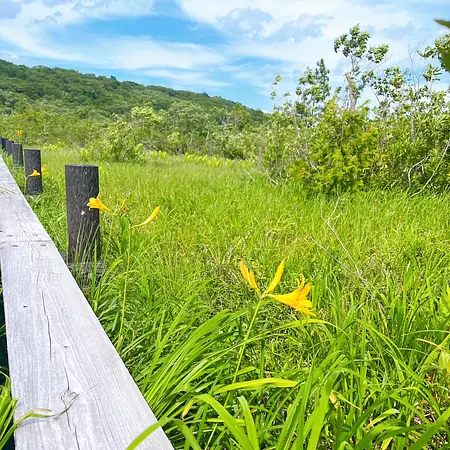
445,23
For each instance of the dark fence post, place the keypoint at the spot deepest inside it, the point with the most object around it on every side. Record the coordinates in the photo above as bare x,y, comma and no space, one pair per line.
17,152
8,147
83,224
3,143
32,164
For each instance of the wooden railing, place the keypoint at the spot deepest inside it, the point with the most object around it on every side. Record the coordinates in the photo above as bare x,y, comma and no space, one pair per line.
60,358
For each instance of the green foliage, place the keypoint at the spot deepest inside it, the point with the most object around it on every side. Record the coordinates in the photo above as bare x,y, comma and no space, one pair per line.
280,149
370,371
355,46
313,91
327,140
115,142
442,46
332,144
412,120
8,406
43,126
219,367
343,152
87,95
113,121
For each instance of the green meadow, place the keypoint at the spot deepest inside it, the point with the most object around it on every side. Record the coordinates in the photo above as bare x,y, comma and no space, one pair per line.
369,370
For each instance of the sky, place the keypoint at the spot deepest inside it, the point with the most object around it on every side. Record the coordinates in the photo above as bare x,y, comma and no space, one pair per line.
231,48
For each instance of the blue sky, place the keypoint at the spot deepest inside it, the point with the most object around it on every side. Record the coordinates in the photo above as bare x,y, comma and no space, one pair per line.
231,48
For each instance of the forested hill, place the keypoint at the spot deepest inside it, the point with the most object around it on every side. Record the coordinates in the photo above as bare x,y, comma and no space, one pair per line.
89,95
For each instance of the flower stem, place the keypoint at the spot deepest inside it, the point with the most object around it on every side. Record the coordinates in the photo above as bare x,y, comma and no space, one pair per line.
125,286
244,344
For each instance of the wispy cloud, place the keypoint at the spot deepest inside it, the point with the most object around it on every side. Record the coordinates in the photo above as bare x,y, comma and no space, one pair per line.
287,36
187,78
141,53
42,21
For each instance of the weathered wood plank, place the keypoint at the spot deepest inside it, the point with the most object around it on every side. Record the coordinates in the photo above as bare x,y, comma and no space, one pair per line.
58,352
17,223
6,177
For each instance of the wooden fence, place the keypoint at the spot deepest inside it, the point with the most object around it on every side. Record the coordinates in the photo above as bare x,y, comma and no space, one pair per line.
60,358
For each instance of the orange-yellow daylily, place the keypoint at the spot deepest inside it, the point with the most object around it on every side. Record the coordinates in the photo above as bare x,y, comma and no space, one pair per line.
96,203
249,276
296,299
276,279
150,219
35,173
123,207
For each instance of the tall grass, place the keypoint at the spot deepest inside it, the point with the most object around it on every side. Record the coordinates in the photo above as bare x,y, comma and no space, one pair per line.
370,371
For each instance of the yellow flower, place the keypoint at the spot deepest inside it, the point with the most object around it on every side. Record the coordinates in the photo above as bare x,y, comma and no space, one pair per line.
276,280
19,133
150,219
297,299
44,170
35,173
249,276
123,207
96,203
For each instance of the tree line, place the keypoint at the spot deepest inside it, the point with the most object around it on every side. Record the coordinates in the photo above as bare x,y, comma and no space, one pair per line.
326,137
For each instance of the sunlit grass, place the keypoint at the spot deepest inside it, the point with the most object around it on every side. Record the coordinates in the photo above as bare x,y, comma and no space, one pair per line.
360,375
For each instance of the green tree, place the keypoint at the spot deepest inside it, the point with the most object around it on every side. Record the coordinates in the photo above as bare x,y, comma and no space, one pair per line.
313,91
354,45
441,47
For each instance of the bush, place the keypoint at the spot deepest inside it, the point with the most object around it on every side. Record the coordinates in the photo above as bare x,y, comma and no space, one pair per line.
116,143
343,153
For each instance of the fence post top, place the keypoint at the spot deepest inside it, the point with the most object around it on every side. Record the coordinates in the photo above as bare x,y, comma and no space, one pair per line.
81,165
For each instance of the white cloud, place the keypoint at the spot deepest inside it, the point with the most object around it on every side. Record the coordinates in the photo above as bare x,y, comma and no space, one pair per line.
117,52
41,21
113,8
316,24
64,12
140,53
187,78
294,34
297,54
343,12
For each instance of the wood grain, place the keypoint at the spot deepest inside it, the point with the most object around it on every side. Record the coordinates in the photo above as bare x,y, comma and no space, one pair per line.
83,223
59,356
8,147
33,162
17,220
17,153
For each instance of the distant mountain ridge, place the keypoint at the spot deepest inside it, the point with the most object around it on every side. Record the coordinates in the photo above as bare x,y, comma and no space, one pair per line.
90,95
